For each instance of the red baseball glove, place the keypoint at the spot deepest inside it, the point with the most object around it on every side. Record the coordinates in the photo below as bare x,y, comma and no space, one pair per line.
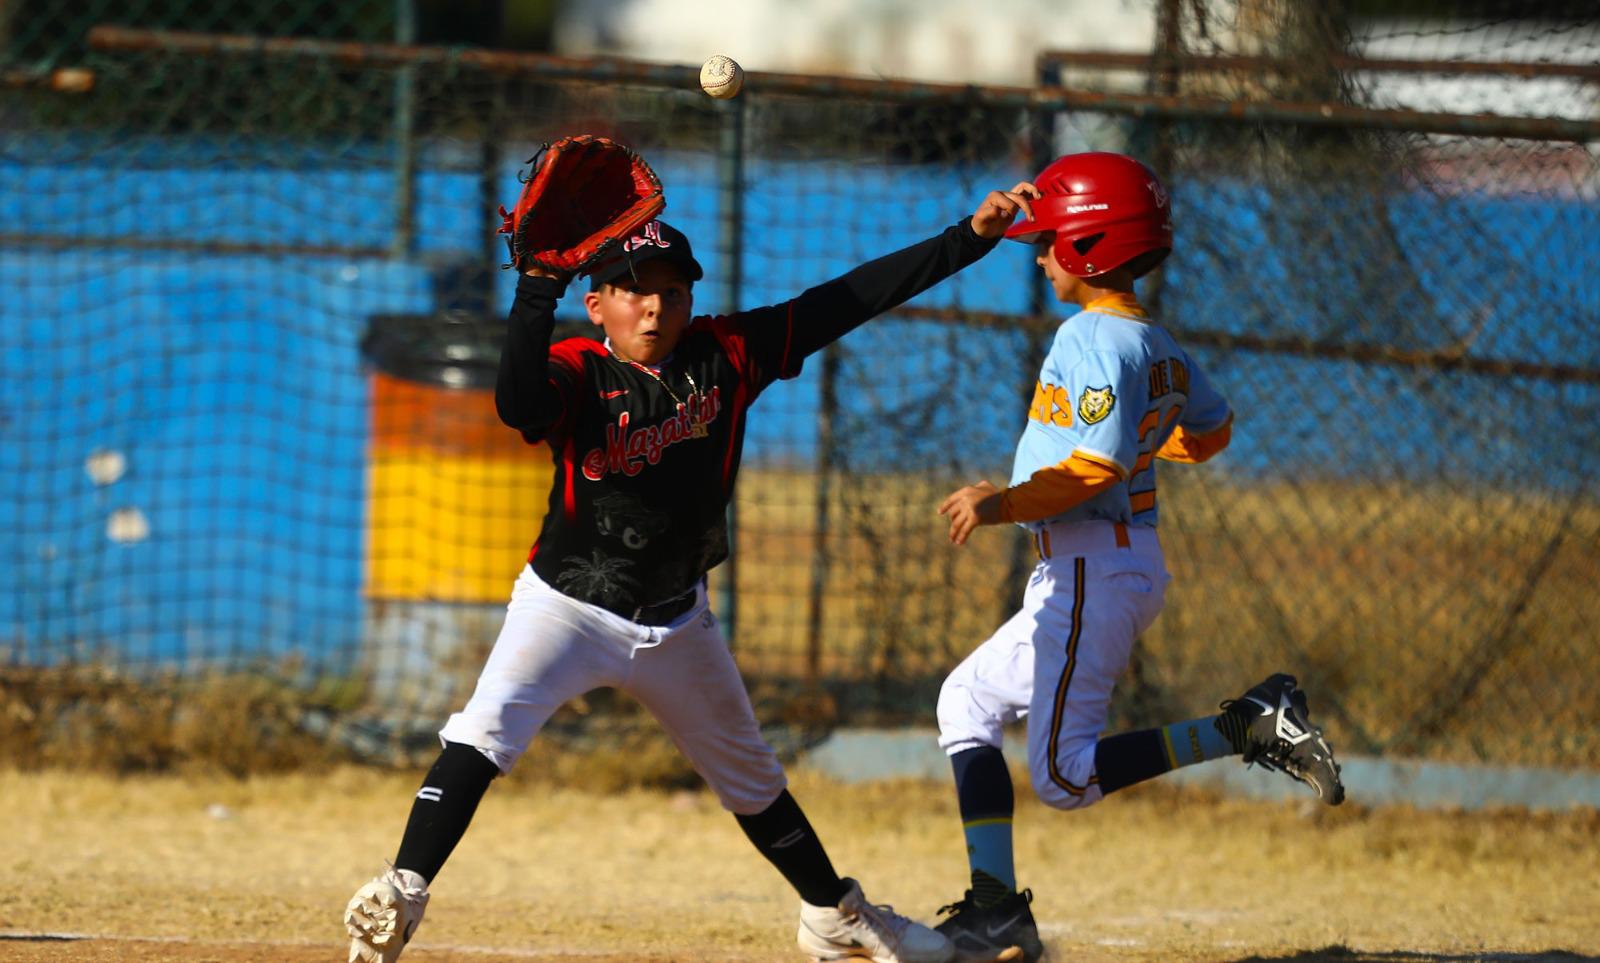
581,195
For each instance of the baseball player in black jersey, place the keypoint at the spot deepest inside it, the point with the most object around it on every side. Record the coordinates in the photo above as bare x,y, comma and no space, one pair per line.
646,430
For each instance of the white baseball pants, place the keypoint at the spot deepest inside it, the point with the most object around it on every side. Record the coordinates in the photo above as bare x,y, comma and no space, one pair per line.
554,648
1097,586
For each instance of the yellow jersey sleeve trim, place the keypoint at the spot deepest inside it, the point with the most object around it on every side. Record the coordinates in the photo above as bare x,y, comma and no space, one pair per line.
1192,448
1098,460
1056,488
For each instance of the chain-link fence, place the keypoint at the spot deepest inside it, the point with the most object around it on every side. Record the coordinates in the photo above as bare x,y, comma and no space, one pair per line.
250,322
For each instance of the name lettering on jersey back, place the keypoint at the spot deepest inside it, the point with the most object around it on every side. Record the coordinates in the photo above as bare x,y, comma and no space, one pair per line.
1168,376
629,450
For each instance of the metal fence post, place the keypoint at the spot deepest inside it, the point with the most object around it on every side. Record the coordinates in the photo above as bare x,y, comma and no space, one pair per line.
821,562
730,248
405,147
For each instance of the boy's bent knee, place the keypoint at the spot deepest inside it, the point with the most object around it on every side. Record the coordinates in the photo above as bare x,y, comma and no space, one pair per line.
951,705
962,722
745,774
1066,796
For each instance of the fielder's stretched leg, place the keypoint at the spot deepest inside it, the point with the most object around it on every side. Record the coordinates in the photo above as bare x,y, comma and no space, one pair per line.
550,649
717,731
383,915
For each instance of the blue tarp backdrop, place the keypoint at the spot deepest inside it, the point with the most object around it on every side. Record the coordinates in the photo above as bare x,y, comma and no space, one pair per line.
234,387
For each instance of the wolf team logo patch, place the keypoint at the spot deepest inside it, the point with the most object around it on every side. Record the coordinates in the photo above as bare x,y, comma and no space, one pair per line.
1095,403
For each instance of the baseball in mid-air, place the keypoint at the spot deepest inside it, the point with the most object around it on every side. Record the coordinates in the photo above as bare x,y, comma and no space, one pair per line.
721,77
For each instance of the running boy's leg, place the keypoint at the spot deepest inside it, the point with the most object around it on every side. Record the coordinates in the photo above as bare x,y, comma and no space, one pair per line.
1110,599
1088,610
990,689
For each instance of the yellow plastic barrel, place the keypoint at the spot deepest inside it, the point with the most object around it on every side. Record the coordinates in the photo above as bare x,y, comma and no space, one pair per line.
454,496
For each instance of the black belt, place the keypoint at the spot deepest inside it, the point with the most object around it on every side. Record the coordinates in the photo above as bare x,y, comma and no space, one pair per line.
661,613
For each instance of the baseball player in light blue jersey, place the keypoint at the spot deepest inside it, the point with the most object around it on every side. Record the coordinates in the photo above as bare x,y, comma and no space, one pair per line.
1100,363
1116,393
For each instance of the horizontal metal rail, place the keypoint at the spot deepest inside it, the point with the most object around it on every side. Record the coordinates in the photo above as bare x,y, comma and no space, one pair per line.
618,70
1200,63
68,80
1433,360
1437,360
101,242
1321,114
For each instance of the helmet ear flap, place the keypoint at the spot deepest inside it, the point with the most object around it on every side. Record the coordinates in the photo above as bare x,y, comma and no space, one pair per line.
1062,251
1072,252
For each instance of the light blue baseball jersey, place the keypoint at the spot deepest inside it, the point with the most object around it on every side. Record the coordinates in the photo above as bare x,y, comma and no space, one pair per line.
1112,389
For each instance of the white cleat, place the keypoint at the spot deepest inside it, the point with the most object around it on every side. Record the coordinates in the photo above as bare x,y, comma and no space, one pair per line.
858,930
384,914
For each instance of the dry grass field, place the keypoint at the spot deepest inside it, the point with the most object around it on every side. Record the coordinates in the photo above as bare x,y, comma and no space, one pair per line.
209,868
156,818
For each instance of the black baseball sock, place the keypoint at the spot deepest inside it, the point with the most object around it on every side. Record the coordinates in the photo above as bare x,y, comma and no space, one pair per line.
1132,757
987,803
783,834
444,806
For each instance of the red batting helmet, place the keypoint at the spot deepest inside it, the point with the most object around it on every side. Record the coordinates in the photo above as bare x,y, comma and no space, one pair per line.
1105,209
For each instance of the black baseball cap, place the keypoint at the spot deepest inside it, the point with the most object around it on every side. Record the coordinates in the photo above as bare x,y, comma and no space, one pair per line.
653,239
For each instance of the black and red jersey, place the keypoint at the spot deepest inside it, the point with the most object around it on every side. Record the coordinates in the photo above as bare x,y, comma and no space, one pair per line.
645,459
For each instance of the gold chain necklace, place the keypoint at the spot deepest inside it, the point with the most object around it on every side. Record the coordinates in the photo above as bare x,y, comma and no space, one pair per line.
697,428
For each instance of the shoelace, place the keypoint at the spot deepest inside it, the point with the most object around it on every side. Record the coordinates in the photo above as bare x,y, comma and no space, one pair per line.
959,906
882,918
1275,755
1280,755
410,893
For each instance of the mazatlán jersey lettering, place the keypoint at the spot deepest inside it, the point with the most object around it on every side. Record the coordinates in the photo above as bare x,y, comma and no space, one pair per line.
628,451
1112,389
645,472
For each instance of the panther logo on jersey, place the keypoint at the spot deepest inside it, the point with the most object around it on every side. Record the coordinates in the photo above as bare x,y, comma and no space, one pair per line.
1095,403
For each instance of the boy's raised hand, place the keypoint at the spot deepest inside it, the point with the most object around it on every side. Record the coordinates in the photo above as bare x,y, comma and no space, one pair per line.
1000,208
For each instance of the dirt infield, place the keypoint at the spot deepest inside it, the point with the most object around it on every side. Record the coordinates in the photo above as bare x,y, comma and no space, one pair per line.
213,869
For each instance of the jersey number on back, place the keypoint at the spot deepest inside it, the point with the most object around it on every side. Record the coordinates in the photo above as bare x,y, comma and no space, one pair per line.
1148,425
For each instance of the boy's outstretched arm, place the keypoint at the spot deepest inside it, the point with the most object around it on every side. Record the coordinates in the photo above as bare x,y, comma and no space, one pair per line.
525,396
784,334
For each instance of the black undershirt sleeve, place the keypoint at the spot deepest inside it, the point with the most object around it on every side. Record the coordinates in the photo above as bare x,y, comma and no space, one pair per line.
523,395
832,309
